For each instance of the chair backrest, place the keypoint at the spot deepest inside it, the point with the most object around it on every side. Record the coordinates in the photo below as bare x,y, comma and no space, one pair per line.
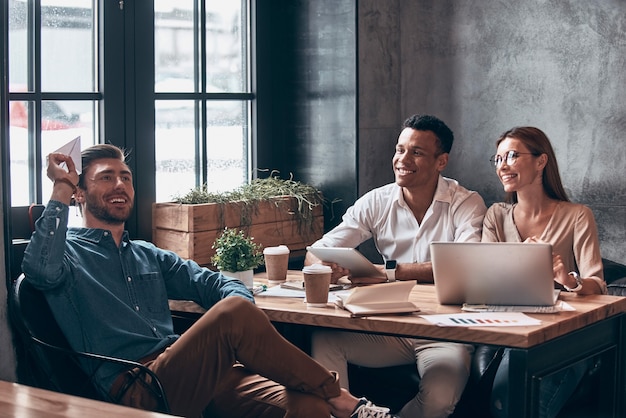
49,361
49,369
23,220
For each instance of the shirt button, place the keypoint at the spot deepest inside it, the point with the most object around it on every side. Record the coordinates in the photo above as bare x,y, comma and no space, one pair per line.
154,329
137,307
106,233
129,279
51,232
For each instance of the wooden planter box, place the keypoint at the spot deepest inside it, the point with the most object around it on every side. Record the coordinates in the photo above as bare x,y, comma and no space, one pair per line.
190,230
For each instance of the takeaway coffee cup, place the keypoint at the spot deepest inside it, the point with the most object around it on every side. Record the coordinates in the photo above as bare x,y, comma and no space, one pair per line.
276,263
316,284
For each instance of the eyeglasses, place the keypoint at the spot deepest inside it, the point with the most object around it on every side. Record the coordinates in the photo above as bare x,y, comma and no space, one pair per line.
510,157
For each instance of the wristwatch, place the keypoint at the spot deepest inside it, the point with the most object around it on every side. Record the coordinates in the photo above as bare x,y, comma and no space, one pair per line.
579,282
390,270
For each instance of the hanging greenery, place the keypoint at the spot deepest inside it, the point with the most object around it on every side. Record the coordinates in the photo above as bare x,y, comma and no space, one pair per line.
263,189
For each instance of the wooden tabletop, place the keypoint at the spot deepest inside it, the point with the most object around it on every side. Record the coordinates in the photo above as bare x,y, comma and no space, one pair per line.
24,401
589,309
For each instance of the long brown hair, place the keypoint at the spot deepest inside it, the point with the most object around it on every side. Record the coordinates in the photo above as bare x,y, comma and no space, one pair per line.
538,143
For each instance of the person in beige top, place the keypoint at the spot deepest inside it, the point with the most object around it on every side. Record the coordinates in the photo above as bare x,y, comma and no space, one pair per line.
570,228
537,209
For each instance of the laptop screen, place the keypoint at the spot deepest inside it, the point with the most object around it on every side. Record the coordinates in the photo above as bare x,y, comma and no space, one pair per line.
502,273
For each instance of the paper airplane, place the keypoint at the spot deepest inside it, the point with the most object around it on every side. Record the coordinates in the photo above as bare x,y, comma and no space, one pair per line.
72,149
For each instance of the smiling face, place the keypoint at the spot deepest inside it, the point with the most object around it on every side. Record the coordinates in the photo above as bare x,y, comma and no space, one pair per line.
109,194
527,169
418,160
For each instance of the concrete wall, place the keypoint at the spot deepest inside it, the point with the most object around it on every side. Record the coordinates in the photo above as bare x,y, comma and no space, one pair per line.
306,95
484,67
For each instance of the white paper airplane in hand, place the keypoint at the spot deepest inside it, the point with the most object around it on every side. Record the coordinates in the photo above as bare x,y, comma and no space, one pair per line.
72,149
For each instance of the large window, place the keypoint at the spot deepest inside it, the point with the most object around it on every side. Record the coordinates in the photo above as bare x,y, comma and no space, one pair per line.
53,87
201,101
202,92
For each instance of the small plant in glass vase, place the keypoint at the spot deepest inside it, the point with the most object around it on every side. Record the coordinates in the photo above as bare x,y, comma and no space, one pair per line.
236,255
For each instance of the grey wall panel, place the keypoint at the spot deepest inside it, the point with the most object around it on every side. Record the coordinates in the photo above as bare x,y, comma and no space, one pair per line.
380,116
313,96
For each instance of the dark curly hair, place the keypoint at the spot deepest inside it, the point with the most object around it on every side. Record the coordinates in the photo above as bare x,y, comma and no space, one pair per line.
436,126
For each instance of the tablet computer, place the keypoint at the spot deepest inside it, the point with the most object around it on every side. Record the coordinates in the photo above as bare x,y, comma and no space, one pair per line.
348,258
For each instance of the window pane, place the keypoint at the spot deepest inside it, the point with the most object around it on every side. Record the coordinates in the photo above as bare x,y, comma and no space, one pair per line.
19,144
18,45
174,45
67,46
61,122
175,148
227,139
183,58
227,144
226,52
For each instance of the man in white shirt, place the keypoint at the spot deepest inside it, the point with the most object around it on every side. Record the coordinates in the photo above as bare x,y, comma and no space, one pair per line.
403,218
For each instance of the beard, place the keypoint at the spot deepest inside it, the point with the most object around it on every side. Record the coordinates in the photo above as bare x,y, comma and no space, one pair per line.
102,213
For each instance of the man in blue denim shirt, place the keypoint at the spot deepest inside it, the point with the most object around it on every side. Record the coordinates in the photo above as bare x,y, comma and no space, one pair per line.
110,296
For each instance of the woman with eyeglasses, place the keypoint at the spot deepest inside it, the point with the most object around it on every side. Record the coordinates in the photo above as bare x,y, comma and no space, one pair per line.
537,209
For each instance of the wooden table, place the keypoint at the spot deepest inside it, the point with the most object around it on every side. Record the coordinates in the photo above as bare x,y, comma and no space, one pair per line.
596,327
24,401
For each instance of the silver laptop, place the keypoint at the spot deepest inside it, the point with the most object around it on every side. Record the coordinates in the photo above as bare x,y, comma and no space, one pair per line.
502,273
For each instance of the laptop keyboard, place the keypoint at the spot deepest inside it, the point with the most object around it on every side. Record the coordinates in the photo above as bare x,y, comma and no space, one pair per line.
515,308
510,308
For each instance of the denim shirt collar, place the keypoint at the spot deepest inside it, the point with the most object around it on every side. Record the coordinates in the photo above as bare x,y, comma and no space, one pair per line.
95,235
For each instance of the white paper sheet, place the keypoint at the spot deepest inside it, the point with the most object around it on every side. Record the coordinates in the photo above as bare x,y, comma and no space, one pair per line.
482,319
292,293
73,149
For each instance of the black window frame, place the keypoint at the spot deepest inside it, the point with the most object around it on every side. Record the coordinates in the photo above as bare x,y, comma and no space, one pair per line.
125,90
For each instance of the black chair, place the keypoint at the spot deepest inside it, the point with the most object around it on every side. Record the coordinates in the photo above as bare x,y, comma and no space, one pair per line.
615,277
50,363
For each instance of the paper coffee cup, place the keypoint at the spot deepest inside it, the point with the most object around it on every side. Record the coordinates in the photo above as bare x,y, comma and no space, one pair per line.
276,263
316,284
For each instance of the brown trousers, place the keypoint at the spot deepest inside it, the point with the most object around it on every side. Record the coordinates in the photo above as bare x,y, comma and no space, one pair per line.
233,363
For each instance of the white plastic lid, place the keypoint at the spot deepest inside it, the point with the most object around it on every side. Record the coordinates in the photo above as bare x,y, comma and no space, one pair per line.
317,269
281,249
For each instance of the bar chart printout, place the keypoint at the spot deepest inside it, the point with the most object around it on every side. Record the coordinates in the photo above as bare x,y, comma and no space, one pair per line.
482,319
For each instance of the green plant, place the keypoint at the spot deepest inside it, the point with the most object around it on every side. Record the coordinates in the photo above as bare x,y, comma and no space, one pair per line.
234,251
306,196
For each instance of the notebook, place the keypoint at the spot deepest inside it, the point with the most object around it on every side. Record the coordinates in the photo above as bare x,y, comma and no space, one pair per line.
379,299
503,273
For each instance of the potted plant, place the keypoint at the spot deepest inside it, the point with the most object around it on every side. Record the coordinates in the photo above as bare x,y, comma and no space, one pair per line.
236,255
273,210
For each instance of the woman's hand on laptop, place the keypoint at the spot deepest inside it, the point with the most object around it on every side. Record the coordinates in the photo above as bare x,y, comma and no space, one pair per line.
558,268
561,275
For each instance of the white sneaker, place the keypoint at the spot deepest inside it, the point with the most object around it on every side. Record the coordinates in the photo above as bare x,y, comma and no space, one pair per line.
366,409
